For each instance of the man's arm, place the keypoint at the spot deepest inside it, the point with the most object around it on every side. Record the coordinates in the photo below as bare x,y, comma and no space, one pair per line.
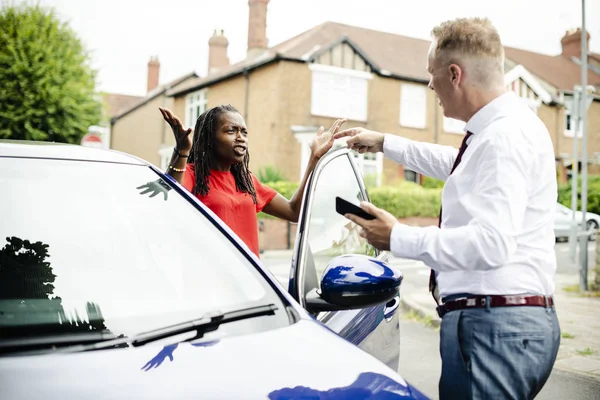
428,159
425,158
497,203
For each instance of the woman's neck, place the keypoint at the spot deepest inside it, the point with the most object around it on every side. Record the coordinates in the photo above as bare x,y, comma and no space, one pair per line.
221,167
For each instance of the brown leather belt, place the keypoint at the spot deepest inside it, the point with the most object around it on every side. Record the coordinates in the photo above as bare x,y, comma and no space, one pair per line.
495,301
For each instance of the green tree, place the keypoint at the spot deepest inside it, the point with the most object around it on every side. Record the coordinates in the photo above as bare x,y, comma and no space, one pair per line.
48,89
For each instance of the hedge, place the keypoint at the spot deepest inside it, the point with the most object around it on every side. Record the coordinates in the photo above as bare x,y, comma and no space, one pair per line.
406,199
432,183
593,205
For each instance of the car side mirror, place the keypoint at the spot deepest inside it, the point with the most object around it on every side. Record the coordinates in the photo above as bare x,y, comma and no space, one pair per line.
353,282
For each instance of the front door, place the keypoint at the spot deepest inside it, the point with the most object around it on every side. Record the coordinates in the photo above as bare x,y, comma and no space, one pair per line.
324,234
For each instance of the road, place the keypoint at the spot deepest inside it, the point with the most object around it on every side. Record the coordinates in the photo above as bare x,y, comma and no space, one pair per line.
420,362
564,264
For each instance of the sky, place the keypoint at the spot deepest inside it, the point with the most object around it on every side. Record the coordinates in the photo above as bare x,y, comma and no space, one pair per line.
122,34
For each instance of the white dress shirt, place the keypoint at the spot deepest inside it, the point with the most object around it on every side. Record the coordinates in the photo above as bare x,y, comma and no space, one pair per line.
497,231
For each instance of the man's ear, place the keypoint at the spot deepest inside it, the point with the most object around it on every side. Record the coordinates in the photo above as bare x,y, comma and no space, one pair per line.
455,74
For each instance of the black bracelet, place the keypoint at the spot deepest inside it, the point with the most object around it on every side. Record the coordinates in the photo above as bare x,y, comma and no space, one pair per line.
179,154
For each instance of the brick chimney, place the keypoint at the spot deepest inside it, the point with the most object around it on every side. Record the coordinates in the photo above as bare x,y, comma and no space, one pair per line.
217,51
571,43
257,27
153,70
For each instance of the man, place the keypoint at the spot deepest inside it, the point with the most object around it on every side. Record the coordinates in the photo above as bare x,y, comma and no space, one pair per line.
492,253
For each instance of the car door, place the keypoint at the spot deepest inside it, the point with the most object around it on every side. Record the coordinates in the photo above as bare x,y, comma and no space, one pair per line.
324,234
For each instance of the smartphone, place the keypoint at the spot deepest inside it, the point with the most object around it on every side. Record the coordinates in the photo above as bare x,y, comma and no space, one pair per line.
345,207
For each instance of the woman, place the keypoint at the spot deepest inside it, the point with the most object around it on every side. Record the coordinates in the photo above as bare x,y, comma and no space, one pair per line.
214,167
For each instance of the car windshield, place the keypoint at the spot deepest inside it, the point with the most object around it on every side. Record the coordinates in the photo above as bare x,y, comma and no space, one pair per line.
562,209
83,247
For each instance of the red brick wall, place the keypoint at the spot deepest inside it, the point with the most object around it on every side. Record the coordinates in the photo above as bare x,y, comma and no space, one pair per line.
273,234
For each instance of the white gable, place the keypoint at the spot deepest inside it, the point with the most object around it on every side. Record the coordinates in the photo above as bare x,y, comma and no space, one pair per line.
520,73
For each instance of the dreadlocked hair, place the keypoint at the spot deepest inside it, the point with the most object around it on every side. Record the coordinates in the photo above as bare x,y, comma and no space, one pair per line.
203,153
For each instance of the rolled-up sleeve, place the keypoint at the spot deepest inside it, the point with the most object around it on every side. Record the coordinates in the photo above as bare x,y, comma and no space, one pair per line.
496,202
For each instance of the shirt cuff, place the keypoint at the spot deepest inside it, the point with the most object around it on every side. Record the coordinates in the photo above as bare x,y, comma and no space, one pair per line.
406,241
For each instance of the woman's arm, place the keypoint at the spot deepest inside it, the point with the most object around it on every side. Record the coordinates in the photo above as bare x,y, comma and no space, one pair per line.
289,210
183,145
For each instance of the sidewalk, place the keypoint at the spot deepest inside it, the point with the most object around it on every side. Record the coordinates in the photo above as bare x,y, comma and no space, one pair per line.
579,317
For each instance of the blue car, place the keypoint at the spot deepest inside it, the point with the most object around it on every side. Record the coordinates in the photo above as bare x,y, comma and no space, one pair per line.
116,283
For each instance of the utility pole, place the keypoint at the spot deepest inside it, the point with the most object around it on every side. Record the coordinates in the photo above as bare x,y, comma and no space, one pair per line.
575,112
583,239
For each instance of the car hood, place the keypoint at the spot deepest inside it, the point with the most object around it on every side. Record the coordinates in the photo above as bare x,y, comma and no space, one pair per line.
303,359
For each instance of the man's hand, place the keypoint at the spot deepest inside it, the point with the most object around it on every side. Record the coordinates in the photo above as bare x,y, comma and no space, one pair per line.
182,136
376,231
362,140
324,140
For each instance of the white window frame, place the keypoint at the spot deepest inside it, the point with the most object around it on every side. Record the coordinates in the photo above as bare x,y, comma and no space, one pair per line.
413,99
452,125
195,104
348,80
372,160
570,132
304,136
165,155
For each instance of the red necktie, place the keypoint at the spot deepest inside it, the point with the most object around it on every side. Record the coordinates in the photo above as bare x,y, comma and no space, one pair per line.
432,276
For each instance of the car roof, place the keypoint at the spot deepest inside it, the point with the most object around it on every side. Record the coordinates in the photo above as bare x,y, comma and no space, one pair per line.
64,151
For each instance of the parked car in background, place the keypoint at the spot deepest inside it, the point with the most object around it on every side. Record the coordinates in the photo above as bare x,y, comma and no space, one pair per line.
564,218
115,282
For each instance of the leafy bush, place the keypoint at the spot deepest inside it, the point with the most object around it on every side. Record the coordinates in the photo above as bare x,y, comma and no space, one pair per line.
48,89
285,188
270,174
593,199
405,199
432,183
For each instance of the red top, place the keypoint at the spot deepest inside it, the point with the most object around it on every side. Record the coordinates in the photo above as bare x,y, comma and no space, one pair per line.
236,209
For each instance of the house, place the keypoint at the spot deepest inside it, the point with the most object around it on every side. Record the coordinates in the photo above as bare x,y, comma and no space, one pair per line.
375,79
116,103
137,127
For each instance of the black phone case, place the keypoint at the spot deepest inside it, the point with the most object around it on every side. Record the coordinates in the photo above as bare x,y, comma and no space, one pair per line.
345,207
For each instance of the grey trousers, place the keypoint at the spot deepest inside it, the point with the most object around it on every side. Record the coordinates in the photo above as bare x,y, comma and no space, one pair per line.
498,352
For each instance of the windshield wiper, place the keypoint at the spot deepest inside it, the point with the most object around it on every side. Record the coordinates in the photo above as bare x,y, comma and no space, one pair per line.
207,323
43,342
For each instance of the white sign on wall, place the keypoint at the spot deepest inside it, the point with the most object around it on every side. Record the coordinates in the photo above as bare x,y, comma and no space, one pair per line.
97,136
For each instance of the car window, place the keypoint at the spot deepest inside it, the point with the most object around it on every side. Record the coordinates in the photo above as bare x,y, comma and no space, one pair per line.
329,233
81,245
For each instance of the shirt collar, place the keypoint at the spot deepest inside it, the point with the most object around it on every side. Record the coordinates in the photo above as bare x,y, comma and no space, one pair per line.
486,114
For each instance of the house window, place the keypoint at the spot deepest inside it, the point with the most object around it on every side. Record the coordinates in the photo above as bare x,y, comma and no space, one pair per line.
413,105
410,175
195,104
570,120
452,125
339,92
570,126
371,167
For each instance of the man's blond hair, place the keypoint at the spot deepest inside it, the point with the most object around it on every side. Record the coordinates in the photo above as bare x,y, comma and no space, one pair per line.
473,43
